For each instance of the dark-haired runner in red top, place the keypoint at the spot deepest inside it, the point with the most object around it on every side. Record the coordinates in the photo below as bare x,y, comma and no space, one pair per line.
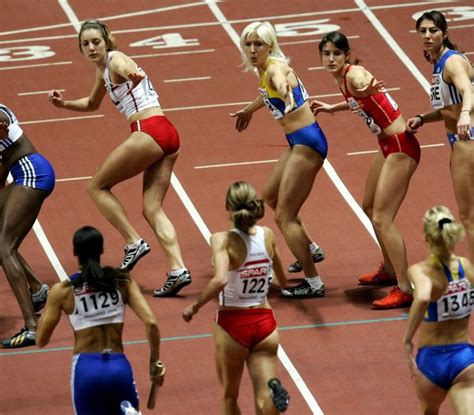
392,167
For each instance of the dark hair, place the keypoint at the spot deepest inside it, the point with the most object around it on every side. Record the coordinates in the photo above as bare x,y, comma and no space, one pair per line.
440,22
88,245
340,41
103,29
244,204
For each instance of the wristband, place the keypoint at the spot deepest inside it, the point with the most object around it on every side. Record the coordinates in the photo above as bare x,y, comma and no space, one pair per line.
421,118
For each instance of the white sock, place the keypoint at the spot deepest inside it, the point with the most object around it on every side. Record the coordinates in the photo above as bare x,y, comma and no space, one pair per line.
135,244
176,272
315,282
313,247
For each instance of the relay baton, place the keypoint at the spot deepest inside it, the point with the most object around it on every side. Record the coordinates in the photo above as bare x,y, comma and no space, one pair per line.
157,370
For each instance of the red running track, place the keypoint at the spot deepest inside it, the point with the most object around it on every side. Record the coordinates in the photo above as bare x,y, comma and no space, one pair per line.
349,357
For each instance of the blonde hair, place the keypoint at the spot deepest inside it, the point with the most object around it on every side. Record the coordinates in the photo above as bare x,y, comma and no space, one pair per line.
267,35
441,228
104,31
244,204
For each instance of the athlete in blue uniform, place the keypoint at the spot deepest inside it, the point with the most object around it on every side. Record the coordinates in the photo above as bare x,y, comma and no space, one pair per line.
443,301
290,184
452,100
94,300
20,204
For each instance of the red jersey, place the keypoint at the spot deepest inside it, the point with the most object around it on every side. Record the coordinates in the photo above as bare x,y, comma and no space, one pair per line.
378,110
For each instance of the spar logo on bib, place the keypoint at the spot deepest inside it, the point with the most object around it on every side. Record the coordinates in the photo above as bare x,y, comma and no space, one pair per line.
254,272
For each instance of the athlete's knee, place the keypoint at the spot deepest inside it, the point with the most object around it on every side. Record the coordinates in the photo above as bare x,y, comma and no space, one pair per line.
6,250
95,187
151,213
283,218
380,221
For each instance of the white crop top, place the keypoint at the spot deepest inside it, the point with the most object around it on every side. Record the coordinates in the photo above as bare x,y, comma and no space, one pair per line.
96,308
14,129
248,285
127,100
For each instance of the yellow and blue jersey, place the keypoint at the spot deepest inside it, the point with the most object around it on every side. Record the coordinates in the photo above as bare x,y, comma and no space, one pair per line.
274,102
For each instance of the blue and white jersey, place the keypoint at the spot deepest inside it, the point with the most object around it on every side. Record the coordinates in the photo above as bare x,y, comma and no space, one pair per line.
14,129
444,93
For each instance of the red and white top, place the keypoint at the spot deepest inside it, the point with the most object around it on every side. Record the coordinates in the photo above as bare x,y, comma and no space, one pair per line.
378,111
127,100
248,285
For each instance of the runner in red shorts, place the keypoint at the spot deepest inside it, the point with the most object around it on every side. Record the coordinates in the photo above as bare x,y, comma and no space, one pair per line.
245,331
151,148
392,167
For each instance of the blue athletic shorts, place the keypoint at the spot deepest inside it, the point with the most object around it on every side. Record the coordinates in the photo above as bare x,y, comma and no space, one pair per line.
452,138
34,171
311,136
100,382
442,364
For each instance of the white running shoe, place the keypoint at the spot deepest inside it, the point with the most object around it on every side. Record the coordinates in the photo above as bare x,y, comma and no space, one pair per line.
133,254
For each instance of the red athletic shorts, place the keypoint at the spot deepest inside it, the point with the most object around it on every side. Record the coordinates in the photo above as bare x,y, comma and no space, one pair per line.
161,130
248,326
401,143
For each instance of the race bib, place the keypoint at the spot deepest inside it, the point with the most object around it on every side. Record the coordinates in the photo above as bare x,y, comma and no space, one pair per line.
457,303
276,113
436,99
369,121
98,305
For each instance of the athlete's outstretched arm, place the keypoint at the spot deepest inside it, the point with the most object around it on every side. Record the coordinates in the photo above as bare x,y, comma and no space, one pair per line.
220,258
89,103
51,315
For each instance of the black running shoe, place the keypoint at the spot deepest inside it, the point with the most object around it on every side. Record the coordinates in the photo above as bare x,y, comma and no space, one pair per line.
173,284
39,298
318,256
23,338
303,290
133,254
279,395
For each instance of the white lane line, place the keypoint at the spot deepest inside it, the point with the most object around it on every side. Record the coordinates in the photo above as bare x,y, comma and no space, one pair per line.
198,78
359,153
83,117
22,94
183,52
36,65
297,379
393,45
67,9
76,24
313,40
242,163
203,24
74,179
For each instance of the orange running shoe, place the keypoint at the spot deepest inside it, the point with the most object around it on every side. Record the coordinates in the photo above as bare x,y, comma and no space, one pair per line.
379,277
394,299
